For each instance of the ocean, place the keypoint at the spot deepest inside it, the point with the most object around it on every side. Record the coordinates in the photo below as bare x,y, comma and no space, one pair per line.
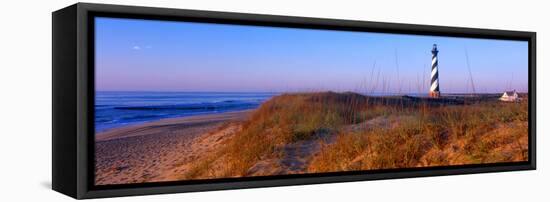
116,109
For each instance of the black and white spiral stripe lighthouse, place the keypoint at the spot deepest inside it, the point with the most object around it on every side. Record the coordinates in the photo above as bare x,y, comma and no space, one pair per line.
434,87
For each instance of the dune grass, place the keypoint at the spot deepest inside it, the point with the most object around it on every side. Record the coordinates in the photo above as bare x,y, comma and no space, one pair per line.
364,133
451,135
286,119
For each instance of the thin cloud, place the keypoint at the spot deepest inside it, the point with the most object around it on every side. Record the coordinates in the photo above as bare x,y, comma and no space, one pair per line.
136,47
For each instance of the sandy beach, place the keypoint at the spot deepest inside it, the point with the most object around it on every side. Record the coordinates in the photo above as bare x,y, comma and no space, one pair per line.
157,151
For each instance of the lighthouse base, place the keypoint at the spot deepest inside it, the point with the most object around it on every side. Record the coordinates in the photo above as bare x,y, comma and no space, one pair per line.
434,94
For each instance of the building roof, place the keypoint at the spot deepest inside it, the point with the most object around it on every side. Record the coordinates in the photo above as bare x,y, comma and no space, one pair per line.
509,93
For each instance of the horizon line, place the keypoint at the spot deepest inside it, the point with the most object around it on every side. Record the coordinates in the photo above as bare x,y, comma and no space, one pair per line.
312,91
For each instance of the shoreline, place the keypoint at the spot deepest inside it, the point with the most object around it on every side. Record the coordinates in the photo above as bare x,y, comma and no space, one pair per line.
134,129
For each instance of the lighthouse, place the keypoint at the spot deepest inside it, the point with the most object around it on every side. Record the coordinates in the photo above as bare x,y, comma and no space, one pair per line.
434,85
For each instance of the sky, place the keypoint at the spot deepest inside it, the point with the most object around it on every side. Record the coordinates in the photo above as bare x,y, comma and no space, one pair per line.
153,55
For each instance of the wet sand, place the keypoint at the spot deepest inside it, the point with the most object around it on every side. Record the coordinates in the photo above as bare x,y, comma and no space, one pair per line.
156,151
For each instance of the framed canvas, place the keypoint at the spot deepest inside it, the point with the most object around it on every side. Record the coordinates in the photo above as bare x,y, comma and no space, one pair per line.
156,100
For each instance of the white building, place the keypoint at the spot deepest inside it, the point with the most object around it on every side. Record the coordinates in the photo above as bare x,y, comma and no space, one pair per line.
510,96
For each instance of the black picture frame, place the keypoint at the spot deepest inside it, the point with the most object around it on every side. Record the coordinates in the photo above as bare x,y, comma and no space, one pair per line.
73,99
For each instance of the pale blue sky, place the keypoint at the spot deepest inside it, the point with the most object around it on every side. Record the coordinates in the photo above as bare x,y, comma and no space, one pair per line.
151,55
